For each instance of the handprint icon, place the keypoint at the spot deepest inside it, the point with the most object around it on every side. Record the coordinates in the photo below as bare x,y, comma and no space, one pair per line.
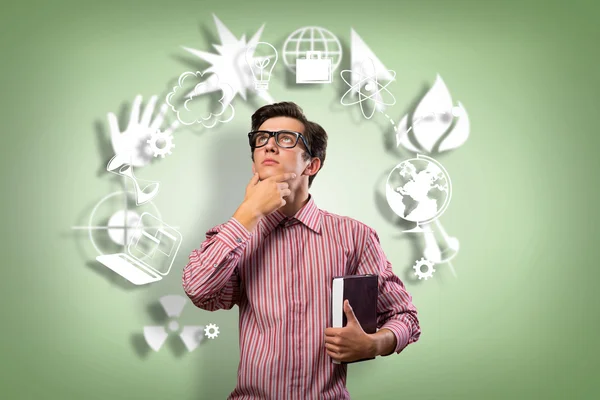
132,146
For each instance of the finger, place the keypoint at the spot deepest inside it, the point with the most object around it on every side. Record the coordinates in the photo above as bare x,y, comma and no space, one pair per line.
335,356
333,348
331,340
283,185
148,111
135,110
348,311
160,117
113,124
332,331
254,180
172,127
285,192
284,177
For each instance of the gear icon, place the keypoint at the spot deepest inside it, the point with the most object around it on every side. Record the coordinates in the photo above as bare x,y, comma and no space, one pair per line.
166,145
428,273
208,333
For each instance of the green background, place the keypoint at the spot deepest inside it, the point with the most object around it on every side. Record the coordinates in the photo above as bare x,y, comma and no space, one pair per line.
518,322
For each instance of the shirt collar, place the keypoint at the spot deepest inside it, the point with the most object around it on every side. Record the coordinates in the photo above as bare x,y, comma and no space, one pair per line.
309,215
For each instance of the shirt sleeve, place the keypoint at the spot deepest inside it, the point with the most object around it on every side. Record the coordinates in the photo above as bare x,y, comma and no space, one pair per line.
211,278
395,310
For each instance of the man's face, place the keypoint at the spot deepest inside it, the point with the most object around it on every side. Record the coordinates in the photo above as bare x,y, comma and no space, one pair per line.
286,160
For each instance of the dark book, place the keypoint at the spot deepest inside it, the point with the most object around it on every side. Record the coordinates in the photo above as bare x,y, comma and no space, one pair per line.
361,291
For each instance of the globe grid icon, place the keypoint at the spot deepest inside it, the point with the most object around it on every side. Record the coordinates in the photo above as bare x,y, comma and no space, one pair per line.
311,38
409,190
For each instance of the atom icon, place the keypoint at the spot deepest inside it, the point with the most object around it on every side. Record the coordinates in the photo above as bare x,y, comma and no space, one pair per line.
369,83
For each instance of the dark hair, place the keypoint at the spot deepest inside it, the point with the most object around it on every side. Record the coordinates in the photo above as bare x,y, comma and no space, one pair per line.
315,135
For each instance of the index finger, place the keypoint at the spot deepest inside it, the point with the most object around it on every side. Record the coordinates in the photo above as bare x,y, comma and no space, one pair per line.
283,177
331,332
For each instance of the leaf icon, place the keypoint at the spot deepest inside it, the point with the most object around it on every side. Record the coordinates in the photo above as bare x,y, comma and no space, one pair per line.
428,127
262,62
460,133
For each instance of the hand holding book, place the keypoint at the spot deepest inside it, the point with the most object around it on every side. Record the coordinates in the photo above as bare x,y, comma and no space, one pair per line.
350,338
350,343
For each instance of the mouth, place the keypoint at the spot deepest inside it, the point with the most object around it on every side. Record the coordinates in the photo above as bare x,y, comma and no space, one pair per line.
269,162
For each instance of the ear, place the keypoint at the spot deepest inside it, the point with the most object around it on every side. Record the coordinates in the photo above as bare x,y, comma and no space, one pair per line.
313,167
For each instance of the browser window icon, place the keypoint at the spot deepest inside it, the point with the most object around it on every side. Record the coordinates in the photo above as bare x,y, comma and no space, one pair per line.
150,254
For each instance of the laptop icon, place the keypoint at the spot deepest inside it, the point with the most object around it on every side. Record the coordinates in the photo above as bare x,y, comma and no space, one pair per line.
150,253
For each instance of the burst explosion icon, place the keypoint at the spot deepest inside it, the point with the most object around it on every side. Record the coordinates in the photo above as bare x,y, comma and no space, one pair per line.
191,336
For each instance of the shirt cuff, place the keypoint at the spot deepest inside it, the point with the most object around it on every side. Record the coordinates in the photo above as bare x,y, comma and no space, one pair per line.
402,333
233,234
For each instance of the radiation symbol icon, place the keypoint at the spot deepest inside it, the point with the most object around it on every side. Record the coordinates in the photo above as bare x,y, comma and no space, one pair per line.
156,336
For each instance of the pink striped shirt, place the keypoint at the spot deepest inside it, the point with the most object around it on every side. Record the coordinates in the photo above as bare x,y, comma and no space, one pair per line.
280,276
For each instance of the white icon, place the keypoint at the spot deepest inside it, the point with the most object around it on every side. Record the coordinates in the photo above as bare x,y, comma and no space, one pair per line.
433,249
419,190
314,68
418,267
370,91
143,193
437,125
190,109
211,331
150,254
229,64
156,336
161,143
261,58
311,38
121,224
130,146
359,52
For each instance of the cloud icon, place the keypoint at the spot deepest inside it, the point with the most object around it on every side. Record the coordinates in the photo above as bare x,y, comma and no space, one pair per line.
192,107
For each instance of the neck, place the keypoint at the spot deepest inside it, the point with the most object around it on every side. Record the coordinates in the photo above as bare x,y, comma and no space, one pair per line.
295,201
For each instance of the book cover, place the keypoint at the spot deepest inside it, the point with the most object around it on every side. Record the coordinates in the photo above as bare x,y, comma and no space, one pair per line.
361,291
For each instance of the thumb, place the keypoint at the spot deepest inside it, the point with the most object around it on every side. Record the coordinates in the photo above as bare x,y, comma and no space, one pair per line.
349,312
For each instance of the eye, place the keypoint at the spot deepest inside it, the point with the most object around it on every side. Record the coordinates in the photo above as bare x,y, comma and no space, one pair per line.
262,138
287,138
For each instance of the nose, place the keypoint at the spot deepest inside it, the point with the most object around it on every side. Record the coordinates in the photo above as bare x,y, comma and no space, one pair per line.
271,144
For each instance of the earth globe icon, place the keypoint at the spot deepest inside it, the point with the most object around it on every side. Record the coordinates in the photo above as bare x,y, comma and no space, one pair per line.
418,190
311,38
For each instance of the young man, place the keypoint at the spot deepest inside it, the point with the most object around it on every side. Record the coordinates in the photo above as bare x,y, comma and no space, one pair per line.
276,257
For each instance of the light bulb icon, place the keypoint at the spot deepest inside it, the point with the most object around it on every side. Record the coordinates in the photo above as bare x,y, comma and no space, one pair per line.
261,58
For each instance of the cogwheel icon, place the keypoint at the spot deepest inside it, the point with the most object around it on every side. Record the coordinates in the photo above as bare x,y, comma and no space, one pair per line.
428,273
208,333
166,140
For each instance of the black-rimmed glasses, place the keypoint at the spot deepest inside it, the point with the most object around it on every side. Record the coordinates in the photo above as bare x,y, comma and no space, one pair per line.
284,139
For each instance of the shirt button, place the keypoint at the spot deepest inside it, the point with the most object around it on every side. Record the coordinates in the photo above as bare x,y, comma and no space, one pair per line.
239,240
215,265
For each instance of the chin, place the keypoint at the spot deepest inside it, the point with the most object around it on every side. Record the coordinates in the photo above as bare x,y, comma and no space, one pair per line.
267,171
